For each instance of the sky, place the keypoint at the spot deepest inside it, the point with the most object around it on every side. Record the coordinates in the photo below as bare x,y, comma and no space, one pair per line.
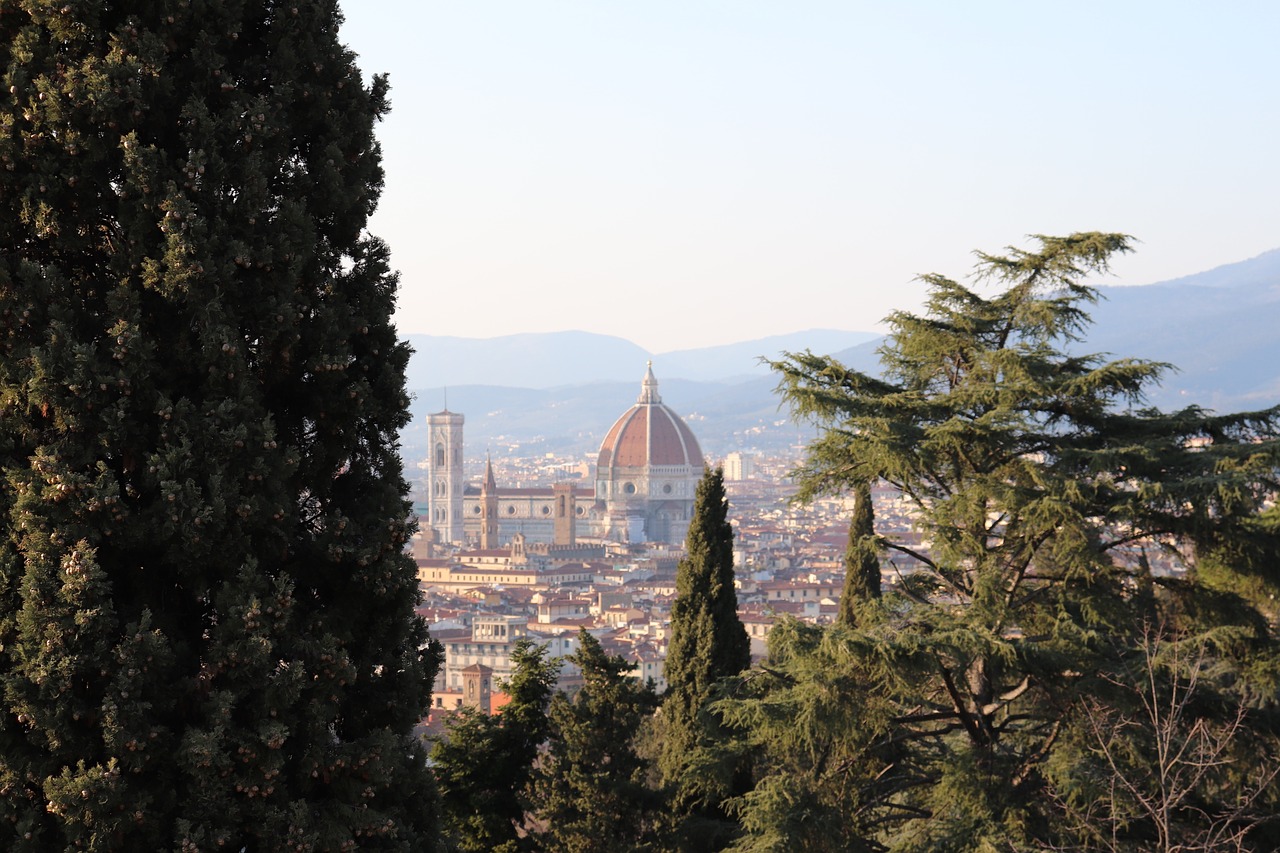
689,173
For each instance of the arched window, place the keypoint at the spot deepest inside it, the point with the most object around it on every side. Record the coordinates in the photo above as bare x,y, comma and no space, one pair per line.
439,455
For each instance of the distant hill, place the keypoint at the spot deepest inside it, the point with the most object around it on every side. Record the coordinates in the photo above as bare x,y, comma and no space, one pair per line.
573,419
521,361
1261,272
560,392
553,359
1220,329
743,360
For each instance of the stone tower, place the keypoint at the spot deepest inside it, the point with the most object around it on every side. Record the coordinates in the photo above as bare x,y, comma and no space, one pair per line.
477,688
444,471
564,511
489,509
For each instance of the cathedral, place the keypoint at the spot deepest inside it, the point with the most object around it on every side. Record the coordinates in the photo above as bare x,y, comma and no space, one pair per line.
647,472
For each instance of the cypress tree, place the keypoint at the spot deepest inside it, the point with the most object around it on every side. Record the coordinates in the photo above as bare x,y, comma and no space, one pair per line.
707,641
207,635
861,559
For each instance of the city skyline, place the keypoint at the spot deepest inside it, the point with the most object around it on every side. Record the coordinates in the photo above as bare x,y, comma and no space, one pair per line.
657,172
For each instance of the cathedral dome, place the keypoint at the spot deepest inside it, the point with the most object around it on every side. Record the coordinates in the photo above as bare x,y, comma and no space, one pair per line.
648,471
649,435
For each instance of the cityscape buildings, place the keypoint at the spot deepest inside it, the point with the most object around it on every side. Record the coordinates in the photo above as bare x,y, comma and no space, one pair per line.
646,473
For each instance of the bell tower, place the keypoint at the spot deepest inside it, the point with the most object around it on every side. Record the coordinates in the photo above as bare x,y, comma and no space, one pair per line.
564,509
489,509
444,471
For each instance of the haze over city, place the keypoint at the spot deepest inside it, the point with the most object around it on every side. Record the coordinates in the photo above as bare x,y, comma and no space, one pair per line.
660,171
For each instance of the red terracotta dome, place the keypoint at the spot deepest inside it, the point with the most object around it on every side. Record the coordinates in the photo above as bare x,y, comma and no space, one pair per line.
648,471
649,435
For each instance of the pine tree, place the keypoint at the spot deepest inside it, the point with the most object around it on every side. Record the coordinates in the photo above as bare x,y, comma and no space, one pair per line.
816,721
708,641
207,635
1031,470
589,789
484,763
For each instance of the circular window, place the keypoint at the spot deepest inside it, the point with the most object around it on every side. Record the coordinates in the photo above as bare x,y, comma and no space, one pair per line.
666,490
475,510
546,510
511,510
582,510
629,488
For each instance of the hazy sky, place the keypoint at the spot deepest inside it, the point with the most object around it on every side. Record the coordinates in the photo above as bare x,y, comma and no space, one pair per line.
683,173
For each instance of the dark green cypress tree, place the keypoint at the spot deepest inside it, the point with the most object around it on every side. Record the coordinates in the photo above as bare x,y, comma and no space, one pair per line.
861,557
207,636
707,641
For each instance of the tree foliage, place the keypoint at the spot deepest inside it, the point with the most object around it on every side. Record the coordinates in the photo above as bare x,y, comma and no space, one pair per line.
590,787
1177,761
484,763
1038,483
815,719
708,641
862,557
207,634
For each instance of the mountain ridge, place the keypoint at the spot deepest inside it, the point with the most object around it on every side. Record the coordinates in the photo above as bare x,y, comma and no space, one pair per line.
561,391
554,359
